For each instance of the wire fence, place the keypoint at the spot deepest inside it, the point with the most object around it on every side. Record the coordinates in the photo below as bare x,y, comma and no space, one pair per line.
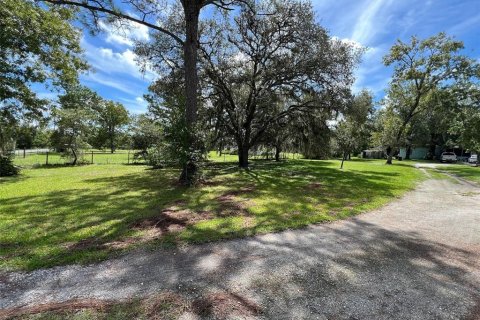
45,157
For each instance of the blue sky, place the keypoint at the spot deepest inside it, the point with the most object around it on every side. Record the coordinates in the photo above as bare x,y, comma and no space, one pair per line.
375,24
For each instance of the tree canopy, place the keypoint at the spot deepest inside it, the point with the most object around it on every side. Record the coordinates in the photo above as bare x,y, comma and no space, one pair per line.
160,16
38,45
264,63
421,66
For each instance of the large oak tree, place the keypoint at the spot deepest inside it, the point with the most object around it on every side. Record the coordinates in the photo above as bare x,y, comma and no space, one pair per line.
272,61
259,65
157,15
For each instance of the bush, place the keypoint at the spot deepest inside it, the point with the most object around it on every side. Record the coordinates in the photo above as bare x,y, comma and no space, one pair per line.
7,168
156,157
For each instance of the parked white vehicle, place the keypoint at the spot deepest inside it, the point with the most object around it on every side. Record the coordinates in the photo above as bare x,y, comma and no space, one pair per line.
448,157
473,158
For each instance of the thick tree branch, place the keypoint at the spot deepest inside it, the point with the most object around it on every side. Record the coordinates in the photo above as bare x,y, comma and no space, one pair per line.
118,14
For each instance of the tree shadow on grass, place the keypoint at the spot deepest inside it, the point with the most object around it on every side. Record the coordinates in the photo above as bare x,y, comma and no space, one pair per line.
44,228
12,179
282,200
50,226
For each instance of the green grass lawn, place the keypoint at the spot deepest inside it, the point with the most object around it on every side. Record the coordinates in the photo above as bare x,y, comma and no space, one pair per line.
463,171
35,159
57,215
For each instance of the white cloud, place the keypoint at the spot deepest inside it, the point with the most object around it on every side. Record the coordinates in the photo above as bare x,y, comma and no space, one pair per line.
349,41
137,105
123,62
120,85
108,61
119,71
125,34
333,123
240,57
367,24
378,23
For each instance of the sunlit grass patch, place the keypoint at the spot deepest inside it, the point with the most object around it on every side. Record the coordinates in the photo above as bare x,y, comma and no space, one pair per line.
467,172
52,216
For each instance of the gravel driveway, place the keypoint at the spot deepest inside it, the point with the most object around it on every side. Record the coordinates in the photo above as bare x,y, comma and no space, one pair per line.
416,258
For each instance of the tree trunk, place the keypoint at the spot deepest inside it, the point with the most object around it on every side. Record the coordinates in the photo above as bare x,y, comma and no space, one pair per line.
343,160
74,157
192,11
431,149
389,159
243,156
408,152
74,152
187,177
112,146
2,143
278,150
389,155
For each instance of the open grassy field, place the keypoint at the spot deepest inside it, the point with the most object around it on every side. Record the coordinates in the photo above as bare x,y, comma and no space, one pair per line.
57,215
466,172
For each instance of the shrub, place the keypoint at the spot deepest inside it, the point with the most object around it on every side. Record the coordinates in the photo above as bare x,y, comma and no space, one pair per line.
156,157
7,168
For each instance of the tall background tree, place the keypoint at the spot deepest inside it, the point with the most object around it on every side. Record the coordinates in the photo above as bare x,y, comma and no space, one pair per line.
112,119
74,120
465,125
145,132
270,62
261,64
421,66
353,130
38,45
385,132
312,135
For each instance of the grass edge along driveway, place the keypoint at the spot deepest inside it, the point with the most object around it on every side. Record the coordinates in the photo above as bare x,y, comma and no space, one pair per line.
63,215
467,172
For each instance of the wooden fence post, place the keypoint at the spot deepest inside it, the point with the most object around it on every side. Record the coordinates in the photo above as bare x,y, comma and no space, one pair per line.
92,157
128,157
46,161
